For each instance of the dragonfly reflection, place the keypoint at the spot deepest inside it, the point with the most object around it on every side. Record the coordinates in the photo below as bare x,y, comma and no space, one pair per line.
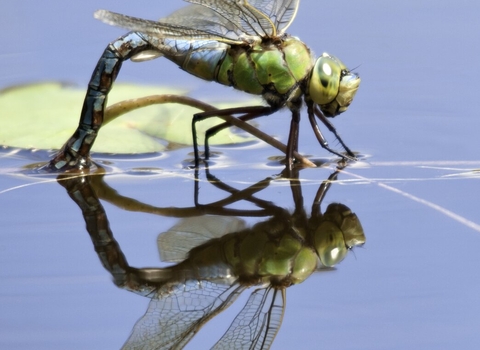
218,257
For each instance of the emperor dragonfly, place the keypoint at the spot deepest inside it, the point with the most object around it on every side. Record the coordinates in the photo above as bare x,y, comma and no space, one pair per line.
238,43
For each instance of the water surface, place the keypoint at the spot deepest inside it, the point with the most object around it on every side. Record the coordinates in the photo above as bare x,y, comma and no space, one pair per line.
415,120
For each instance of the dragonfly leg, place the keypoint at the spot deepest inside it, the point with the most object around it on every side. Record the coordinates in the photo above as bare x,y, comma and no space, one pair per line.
322,191
256,111
295,186
292,145
216,129
76,151
332,129
321,139
246,194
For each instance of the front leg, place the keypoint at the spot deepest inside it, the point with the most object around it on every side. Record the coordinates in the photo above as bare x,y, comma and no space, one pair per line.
312,111
75,153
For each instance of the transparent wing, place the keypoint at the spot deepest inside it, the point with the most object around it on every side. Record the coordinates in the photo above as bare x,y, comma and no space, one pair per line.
178,312
263,18
281,12
175,244
256,326
230,21
175,28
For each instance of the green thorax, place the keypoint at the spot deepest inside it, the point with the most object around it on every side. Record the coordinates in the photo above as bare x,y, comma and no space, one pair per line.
261,254
268,68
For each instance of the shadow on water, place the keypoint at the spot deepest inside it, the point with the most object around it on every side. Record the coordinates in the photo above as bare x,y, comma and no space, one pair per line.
217,257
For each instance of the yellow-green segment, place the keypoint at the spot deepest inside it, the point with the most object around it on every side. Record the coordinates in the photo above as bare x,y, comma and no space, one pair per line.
273,66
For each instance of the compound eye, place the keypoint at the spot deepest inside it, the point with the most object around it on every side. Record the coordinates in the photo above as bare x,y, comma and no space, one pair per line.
325,81
329,244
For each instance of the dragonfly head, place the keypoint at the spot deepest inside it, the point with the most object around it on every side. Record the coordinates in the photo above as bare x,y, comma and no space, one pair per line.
332,86
338,232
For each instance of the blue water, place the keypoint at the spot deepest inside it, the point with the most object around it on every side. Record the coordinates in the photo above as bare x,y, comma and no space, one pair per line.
413,285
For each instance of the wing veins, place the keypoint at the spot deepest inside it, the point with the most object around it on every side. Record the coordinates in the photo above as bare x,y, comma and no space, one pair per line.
232,22
260,13
226,10
257,324
160,29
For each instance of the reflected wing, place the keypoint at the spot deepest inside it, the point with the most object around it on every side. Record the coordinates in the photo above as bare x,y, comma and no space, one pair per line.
256,326
230,21
178,312
189,233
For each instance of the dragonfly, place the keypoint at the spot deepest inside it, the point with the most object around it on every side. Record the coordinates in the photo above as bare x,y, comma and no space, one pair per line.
237,43
217,257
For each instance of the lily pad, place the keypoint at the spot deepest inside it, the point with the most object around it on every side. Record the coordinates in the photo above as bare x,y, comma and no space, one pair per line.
44,116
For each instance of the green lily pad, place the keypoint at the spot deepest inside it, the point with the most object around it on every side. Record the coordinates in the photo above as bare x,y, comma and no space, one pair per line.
44,116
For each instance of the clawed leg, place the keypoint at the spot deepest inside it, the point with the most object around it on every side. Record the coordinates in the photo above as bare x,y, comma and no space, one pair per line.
226,114
292,145
312,111
240,122
332,129
216,129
